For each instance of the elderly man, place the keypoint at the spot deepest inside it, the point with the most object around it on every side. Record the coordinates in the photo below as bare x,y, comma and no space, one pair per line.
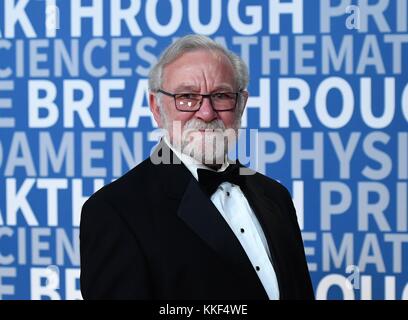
188,223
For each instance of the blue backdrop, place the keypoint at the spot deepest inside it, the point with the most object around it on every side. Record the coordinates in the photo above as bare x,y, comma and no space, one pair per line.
327,115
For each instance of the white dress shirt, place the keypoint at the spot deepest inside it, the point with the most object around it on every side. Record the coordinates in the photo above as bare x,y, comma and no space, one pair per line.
235,209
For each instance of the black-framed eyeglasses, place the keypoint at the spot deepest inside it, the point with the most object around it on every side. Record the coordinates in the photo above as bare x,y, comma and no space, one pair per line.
192,102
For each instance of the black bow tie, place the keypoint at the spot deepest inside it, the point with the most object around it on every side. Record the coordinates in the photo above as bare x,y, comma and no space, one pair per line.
210,180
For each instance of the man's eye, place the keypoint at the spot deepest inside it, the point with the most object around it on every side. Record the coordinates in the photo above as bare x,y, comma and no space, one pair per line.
221,95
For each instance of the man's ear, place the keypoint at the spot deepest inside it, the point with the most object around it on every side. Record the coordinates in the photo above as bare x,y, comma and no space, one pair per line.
154,108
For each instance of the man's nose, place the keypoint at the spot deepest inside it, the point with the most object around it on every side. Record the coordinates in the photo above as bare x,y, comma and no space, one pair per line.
206,112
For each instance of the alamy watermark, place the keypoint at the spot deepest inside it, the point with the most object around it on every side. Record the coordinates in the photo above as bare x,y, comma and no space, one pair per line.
52,15
354,278
353,19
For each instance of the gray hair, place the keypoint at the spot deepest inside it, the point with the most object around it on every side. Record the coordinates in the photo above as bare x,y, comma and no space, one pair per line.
195,42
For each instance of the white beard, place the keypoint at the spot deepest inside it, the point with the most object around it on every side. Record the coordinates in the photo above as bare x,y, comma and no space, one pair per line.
209,147
206,147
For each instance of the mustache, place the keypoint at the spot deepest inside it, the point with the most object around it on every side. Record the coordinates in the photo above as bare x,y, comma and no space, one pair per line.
197,124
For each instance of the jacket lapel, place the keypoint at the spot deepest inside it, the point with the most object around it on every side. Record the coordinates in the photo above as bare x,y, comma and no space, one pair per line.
201,215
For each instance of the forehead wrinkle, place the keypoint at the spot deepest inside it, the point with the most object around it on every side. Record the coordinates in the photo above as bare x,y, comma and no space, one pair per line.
206,81
212,83
204,77
187,87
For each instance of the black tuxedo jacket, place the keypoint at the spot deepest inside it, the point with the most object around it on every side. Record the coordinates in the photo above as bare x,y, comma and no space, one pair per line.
155,234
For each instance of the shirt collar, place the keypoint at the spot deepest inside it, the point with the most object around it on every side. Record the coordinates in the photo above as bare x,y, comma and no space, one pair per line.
193,164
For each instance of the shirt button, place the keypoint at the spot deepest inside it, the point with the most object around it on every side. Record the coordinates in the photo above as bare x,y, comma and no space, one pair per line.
257,268
242,230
